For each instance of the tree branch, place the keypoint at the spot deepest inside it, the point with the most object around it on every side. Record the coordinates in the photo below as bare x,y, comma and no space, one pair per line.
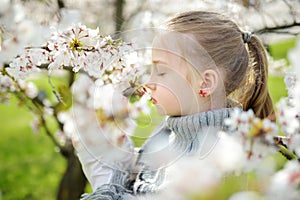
38,110
119,18
49,134
277,28
60,4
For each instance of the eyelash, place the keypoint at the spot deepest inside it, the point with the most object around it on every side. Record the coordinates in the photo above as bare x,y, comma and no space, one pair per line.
161,74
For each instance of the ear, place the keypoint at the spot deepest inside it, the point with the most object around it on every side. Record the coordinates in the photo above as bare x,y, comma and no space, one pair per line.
210,81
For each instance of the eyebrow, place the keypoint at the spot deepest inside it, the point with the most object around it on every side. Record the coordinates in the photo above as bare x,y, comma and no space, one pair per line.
159,61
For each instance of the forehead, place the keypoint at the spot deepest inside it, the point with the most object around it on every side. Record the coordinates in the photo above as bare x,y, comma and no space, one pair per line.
164,47
167,42
180,46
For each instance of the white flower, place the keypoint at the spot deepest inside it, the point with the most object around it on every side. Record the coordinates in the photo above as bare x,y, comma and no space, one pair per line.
91,62
82,36
65,117
5,81
31,90
80,89
48,111
21,67
239,119
290,82
19,12
294,144
6,85
297,97
190,175
256,136
246,195
4,6
270,129
233,121
284,184
287,117
293,56
84,48
37,56
110,100
35,124
141,106
104,141
62,58
61,136
26,31
9,49
277,67
228,154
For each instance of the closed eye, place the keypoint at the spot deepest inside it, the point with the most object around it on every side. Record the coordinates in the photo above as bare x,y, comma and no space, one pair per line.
161,74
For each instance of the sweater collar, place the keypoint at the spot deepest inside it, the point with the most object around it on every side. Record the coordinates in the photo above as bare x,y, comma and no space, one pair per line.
214,118
190,131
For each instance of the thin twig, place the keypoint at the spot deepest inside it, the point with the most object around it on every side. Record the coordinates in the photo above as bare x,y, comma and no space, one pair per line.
49,134
281,144
286,153
57,95
276,28
38,109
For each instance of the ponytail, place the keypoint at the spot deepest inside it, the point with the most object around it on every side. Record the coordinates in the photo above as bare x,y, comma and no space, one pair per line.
246,71
256,95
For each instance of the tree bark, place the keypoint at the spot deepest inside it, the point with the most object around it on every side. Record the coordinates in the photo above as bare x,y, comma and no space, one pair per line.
119,15
73,181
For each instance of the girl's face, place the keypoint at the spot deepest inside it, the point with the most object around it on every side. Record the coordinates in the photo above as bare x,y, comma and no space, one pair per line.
171,91
175,83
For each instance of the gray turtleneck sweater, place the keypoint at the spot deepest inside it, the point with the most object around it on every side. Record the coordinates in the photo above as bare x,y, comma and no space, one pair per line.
174,138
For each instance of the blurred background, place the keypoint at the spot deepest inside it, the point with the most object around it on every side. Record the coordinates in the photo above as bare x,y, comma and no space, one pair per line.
31,166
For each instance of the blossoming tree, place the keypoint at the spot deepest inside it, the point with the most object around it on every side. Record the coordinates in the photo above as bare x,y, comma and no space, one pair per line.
98,74
102,94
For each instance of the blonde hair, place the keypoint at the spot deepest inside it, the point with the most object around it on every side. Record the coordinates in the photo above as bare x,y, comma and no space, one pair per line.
245,63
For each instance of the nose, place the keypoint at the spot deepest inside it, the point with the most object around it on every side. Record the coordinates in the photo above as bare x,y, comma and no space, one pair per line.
151,86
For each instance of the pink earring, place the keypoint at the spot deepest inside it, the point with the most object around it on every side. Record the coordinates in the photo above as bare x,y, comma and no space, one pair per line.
202,93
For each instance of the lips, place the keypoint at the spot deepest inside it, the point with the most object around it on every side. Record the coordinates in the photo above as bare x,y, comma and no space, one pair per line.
154,101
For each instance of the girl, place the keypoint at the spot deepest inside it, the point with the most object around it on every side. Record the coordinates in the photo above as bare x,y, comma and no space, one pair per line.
203,67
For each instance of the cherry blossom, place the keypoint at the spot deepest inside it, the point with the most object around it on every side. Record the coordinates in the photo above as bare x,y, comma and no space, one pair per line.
4,6
287,117
86,49
35,124
285,182
246,195
294,144
106,102
6,85
256,136
290,82
293,56
31,90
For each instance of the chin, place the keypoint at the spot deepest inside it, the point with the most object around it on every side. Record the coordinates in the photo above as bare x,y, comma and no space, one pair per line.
161,111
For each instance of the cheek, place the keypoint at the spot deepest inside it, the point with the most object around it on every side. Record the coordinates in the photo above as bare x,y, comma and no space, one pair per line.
176,97
167,100
167,95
